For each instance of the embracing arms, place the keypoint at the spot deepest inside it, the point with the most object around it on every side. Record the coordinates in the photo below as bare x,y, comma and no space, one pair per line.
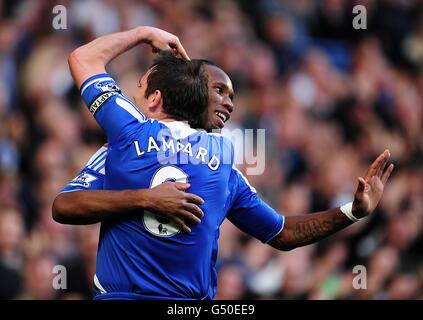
168,200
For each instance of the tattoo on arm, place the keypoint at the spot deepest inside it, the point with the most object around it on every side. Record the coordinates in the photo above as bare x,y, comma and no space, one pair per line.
303,230
314,229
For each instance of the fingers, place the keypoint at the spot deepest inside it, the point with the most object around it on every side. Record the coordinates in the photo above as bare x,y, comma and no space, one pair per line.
173,46
361,185
375,166
189,216
387,173
181,224
190,197
165,48
382,166
194,210
182,186
180,49
162,40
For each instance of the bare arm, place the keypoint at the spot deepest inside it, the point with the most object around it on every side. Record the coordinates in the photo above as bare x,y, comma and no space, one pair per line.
92,58
91,206
303,230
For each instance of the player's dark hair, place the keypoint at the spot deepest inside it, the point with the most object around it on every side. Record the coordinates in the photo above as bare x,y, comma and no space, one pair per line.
199,123
206,62
183,85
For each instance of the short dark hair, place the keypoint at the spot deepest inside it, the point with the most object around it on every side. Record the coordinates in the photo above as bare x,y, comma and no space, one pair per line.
183,85
206,63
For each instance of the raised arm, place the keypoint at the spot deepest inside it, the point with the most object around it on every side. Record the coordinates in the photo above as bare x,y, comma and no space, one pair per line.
92,58
303,230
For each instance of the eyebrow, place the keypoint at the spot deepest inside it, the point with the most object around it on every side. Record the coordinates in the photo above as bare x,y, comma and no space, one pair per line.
231,92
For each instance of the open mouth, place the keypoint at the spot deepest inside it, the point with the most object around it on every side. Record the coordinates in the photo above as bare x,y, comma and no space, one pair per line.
222,116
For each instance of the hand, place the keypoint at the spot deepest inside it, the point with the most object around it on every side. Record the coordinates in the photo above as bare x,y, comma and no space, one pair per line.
168,200
370,189
161,40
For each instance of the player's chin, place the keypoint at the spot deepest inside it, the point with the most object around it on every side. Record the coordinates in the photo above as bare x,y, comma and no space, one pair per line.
218,123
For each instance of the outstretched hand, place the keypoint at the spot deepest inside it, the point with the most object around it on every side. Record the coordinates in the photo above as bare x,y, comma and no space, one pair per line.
370,188
162,40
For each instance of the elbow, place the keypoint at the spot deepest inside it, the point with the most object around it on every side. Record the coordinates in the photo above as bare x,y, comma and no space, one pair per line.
284,246
81,58
282,242
73,62
75,58
58,209
83,63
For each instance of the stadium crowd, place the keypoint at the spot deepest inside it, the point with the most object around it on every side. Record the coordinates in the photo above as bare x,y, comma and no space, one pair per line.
330,97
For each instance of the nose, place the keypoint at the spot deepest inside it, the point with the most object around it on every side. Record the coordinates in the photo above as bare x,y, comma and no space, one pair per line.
227,103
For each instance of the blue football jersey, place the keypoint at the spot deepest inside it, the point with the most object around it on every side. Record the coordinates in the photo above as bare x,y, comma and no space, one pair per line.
146,256
245,208
91,177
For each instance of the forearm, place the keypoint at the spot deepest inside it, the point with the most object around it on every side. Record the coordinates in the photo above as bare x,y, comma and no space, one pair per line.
93,57
88,207
306,229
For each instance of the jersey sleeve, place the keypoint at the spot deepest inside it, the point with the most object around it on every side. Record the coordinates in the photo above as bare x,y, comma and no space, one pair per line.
115,113
251,214
92,176
87,179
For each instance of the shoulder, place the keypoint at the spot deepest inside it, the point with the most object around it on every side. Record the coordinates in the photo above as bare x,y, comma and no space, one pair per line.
239,178
102,82
222,139
101,89
225,147
177,129
87,179
98,157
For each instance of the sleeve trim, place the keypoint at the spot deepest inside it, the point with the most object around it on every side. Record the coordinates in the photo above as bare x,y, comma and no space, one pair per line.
280,230
73,190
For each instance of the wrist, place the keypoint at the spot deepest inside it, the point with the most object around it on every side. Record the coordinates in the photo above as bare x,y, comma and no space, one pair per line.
143,34
350,212
138,198
357,212
143,196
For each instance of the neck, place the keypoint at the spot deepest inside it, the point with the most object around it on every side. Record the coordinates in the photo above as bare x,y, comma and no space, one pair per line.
166,119
161,116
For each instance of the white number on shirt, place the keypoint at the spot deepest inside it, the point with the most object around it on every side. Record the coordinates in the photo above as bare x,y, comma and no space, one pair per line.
157,225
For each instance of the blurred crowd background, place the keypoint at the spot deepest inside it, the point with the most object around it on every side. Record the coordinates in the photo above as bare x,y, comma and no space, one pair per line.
330,97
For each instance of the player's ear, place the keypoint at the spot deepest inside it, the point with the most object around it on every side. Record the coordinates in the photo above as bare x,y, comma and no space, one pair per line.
156,100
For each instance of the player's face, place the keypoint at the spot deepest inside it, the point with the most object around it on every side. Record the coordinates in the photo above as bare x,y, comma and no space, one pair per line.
140,100
221,94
